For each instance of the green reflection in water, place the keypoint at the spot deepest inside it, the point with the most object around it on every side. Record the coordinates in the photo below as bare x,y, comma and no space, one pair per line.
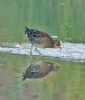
67,83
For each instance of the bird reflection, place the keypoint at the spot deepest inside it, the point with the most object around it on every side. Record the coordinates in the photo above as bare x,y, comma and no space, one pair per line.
39,69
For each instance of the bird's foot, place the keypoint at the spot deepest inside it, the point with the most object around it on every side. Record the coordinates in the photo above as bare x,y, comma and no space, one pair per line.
39,52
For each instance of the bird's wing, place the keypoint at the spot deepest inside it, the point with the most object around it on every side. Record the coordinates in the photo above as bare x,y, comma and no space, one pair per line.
40,34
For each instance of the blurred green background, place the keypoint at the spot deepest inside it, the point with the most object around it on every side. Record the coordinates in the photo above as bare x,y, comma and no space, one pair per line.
67,83
64,18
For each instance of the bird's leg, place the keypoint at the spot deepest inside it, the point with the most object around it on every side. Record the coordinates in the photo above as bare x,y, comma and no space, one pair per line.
37,50
31,49
36,47
60,48
31,53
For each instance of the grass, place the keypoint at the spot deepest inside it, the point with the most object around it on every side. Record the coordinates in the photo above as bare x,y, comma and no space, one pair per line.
65,84
63,18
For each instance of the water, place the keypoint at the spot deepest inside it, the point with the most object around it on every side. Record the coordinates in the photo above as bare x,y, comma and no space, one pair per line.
69,51
67,83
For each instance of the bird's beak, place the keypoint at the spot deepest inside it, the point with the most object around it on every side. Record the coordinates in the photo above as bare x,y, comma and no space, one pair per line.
60,48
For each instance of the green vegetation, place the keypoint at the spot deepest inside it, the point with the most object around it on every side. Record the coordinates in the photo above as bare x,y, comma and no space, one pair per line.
63,18
68,83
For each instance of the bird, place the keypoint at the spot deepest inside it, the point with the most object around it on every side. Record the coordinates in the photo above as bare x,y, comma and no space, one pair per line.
40,39
39,69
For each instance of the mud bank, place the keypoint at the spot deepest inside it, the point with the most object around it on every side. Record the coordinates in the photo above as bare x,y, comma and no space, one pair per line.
69,51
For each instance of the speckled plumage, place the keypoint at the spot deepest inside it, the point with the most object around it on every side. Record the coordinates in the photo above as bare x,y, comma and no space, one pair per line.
41,39
39,69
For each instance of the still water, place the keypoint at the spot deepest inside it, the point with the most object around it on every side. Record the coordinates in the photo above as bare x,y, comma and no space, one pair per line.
67,83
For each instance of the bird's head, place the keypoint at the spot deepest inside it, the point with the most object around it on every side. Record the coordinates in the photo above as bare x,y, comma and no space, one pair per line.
55,67
57,44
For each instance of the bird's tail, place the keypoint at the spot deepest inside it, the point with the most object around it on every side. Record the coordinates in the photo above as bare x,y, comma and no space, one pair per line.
23,78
